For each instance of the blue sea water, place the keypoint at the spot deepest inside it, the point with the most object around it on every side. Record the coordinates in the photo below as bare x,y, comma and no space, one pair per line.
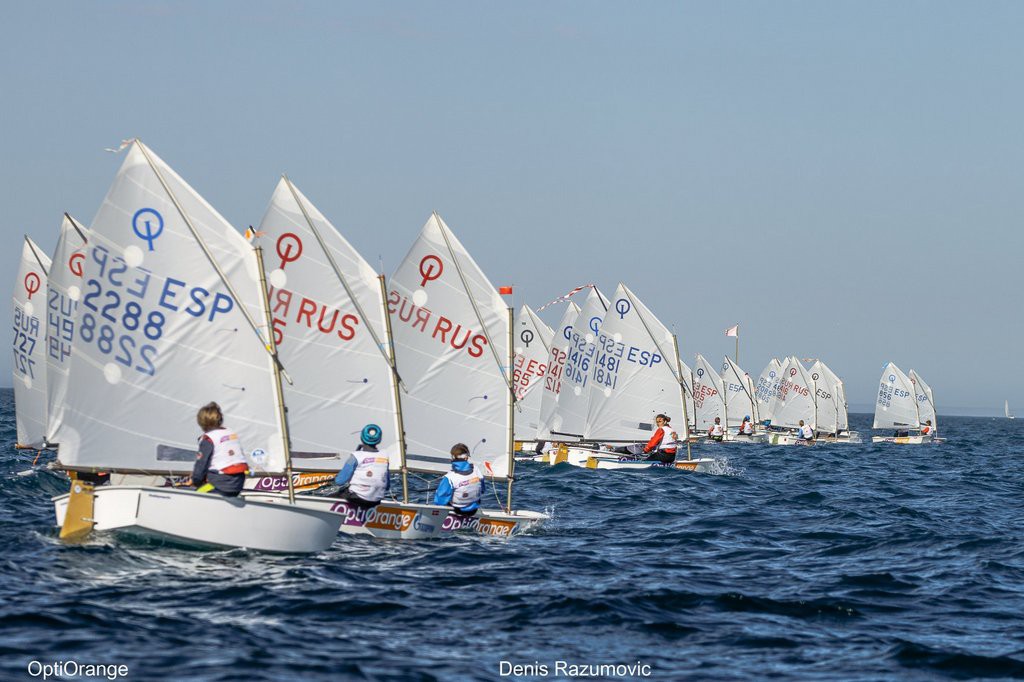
849,562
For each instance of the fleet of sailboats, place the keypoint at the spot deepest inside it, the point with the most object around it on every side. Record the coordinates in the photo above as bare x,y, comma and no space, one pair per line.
160,304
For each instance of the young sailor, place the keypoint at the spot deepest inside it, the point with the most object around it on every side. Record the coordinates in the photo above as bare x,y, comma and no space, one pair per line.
661,447
366,472
747,427
220,463
461,488
805,432
715,431
927,430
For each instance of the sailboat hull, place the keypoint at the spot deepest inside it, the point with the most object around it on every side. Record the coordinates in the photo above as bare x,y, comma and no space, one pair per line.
494,522
391,520
902,440
782,438
205,520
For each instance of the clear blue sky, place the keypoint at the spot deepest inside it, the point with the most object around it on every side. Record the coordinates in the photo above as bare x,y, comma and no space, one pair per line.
844,179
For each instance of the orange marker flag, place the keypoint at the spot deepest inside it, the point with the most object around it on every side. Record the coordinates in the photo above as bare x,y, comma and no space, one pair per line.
505,291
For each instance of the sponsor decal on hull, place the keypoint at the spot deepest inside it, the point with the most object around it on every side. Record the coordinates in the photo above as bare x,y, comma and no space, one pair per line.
484,526
300,481
381,517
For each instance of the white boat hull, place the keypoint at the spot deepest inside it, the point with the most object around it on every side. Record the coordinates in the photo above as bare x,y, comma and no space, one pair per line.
588,458
494,522
781,438
209,520
391,520
699,465
902,440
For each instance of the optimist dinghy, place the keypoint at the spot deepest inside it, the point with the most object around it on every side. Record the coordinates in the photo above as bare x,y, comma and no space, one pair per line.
897,407
792,402
833,424
164,326
635,375
333,334
453,344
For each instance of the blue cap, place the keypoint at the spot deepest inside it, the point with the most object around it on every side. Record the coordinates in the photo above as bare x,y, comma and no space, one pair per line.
371,434
747,417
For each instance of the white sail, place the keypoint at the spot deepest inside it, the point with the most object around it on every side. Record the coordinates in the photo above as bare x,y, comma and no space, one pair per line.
159,333
531,340
570,415
767,385
896,405
1006,409
708,394
925,400
739,394
451,332
826,392
634,376
29,346
555,369
65,291
686,377
334,347
794,400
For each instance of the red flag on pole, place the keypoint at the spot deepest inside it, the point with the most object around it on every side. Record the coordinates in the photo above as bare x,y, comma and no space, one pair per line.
505,291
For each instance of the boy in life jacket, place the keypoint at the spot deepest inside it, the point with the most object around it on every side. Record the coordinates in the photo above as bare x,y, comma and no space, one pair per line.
462,488
220,463
366,472
927,429
805,432
661,447
716,431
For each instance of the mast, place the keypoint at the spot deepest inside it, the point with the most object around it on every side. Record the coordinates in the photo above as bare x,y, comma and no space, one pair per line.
682,394
395,381
282,412
511,445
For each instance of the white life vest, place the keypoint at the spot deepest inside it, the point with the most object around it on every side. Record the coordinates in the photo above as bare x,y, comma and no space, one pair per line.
806,432
717,430
747,428
667,442
228,457
466,488
370,479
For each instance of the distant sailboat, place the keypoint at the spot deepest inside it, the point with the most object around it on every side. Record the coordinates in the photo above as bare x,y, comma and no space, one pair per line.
1006,409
